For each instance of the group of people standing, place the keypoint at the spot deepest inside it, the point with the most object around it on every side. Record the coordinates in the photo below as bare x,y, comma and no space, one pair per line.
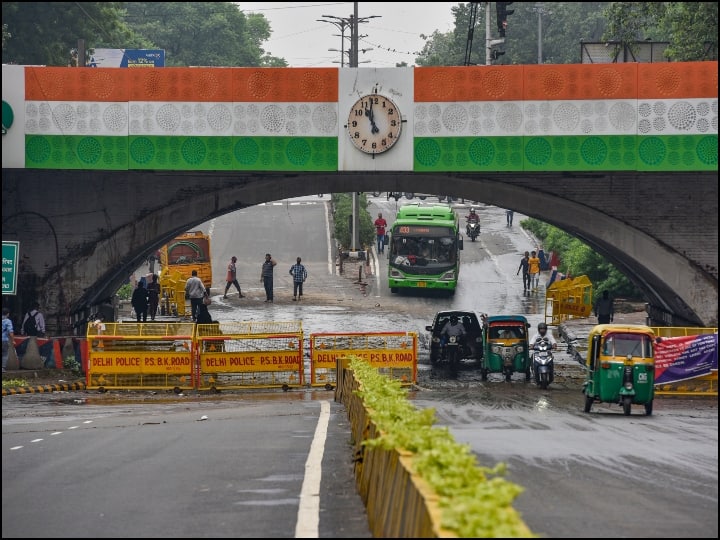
530,266
146,299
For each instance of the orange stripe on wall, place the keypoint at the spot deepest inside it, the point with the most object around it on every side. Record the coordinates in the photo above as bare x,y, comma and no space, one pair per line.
76,84
580,81
180,84
469,83
285,84
666,80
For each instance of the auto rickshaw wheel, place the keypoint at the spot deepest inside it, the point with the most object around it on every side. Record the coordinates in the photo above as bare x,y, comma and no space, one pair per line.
527,374
484,374
508,375
588,402
627,405
648,408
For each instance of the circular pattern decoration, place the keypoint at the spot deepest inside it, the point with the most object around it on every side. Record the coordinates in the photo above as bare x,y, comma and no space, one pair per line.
427,152
154,85
101,84
37,149
454,118
311,85
207,84
142,150
566,117
246,151
594,151
622,116
495,83
168,118
652,151
667,81
552,83
441,85
481,152
272,119
89,150
259,85
219,118
325,119
509,117
538,151
64,117
298,152
609,82
682,116
707,150
115,118
193,150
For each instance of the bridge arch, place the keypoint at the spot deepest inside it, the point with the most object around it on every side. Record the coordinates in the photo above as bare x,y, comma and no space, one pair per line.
622,156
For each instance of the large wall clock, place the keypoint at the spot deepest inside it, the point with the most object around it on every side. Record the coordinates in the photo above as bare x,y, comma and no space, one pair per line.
374,124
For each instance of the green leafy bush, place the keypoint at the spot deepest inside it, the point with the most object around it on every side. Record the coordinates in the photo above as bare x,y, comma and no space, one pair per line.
475,500
125,292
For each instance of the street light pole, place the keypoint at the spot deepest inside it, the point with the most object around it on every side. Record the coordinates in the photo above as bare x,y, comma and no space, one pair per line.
342,22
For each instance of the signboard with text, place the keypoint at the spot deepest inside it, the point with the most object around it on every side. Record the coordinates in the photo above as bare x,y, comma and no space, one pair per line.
127,58
10,252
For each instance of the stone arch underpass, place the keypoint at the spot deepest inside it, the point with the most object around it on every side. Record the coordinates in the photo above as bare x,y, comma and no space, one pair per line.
652,227
103,165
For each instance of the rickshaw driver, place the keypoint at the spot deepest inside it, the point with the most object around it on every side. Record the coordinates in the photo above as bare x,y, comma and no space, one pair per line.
543,333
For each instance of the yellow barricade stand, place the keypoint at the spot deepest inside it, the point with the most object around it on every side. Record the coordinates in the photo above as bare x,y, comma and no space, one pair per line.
173,303
393,353
263,354
140,356
568,299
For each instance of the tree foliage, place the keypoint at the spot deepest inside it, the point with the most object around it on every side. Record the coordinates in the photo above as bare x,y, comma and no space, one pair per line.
191,33
691,28
342,210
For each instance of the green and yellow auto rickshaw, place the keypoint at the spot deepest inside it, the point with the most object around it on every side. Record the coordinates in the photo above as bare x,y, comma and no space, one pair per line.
620,366
505,340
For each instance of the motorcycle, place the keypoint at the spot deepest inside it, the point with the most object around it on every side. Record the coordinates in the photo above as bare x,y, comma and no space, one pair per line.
473,229
543,363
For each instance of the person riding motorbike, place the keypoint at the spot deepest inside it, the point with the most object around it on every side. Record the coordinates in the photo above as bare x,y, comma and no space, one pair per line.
452,328
472,217
543,333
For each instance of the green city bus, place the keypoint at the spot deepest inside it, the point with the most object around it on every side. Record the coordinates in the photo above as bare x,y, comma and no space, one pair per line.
425,246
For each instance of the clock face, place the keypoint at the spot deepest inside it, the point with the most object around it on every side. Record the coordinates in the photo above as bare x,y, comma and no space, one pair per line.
374,124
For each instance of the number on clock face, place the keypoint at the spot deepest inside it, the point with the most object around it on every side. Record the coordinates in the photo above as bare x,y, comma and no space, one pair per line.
374,124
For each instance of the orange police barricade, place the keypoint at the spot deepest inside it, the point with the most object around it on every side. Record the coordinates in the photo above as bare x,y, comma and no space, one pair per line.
262,354
140,356
393,353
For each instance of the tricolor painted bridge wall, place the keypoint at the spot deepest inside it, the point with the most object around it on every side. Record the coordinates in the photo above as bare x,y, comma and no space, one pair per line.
585,117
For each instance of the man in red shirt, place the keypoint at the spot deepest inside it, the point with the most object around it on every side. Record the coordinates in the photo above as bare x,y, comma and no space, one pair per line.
380,225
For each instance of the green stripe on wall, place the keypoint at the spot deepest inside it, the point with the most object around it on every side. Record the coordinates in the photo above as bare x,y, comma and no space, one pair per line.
182,153
572,153
76,152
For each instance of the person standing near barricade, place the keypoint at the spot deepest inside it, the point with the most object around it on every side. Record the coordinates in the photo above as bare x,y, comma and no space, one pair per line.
139,302
153,290
8,334
266,276
524,266
604,310
194,290
299,274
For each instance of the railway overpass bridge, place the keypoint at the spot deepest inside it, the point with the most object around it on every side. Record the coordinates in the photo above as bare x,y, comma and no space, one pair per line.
102,166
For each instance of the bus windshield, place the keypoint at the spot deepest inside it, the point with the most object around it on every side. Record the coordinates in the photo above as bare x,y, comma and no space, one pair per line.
438,248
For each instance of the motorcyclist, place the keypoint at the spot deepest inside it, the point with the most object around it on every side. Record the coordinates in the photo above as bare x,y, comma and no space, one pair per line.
472,217
452,328
542,332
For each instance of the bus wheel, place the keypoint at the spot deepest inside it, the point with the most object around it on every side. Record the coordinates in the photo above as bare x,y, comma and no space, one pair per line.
394,290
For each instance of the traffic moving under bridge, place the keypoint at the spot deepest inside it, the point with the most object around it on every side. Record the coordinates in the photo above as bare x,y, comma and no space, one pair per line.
104,165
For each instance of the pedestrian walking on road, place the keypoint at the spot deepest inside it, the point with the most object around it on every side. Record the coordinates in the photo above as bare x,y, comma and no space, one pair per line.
194,290
604,310
139,302
266,276
231,278
299,274
534,270
153,290
380,225
509,214
524,266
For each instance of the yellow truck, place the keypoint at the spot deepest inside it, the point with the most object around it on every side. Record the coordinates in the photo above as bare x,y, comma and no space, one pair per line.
178,258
